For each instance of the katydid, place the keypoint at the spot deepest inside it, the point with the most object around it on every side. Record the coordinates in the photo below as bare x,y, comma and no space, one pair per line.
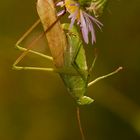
68,55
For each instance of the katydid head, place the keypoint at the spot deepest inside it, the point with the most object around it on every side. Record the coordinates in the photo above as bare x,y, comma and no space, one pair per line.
84,100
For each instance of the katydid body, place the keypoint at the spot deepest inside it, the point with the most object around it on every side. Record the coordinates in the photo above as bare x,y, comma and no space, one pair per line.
70,60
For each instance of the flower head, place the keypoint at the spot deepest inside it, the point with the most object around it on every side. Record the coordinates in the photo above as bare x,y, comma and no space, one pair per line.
83,19
97,7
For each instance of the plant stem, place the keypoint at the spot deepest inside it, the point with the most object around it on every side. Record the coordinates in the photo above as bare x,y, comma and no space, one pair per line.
79,124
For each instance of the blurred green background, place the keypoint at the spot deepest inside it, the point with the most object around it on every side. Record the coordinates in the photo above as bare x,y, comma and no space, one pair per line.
36,105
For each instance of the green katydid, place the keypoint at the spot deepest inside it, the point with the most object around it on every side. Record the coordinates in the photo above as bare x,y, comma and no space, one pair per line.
68,55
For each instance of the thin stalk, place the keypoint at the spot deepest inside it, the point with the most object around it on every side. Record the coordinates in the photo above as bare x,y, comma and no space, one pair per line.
79,124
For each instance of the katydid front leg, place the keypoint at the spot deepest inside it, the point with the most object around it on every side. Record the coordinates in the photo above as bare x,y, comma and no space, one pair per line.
101,77
104,76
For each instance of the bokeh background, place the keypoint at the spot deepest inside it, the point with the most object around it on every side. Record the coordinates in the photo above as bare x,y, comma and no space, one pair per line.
36,105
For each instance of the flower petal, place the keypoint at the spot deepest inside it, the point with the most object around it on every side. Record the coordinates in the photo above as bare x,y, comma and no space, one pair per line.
60,3
97,22
91,29
73,18
60,13
84,27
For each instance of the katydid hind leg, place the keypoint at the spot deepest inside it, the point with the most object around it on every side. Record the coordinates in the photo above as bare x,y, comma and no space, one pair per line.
21,39
56,70
26,50
34,68
34,52
28,32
